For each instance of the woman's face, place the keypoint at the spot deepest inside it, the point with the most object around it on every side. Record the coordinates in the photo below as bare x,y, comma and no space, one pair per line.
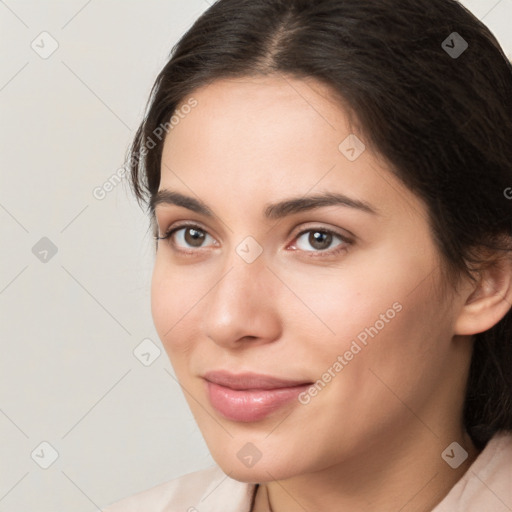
305,328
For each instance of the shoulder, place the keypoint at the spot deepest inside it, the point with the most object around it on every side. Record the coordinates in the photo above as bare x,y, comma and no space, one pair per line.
486,484
202,490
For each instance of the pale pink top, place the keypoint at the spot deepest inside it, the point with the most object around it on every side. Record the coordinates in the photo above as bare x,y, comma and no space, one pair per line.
485,487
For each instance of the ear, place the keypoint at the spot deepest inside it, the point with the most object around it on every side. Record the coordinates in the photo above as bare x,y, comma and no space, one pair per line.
488,300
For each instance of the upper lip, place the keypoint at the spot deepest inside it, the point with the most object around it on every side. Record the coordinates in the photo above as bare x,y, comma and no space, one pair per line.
250,381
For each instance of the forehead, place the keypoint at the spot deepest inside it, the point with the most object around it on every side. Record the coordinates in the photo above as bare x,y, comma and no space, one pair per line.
255,124
245,100
264,138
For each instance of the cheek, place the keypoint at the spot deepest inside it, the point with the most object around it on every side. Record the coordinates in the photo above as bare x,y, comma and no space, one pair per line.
380,307
174,295
392,349
343,304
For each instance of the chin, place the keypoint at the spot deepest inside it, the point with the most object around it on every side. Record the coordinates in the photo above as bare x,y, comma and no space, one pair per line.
264,470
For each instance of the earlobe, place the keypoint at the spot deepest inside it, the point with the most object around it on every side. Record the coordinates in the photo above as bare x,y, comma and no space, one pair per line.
488,301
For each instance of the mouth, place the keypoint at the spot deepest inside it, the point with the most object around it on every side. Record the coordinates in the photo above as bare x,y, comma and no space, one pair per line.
250,397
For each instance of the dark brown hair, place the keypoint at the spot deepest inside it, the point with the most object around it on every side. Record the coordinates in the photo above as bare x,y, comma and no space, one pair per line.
441,118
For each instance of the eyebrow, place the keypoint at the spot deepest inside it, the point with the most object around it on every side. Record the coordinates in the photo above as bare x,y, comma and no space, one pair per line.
272,211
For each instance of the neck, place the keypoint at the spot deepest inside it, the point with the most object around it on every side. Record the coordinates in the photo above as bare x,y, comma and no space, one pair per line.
408,474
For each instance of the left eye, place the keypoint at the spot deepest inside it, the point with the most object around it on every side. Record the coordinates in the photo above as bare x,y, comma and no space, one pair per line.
320,240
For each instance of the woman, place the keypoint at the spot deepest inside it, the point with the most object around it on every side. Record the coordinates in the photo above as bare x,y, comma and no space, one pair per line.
327,182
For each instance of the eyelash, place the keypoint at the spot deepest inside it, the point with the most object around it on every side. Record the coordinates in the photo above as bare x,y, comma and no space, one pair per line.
313,254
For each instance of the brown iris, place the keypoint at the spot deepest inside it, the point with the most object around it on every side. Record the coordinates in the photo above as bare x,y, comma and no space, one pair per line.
320,240
194,237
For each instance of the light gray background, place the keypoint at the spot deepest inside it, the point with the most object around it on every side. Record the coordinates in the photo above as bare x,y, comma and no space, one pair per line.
70,325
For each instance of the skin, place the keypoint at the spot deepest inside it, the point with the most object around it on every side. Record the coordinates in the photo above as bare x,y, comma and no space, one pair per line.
372,438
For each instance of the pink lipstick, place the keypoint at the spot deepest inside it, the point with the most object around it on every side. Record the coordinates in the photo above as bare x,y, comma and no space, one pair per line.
250,397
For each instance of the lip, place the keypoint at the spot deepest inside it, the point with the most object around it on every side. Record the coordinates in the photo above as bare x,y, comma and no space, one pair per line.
250,397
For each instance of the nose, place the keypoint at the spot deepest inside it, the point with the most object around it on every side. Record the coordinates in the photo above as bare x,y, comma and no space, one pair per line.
242,307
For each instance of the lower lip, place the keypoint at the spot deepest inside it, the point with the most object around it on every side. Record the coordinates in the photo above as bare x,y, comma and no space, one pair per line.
251,405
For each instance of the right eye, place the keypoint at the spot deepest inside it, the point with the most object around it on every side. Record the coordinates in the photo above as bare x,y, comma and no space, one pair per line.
186,237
